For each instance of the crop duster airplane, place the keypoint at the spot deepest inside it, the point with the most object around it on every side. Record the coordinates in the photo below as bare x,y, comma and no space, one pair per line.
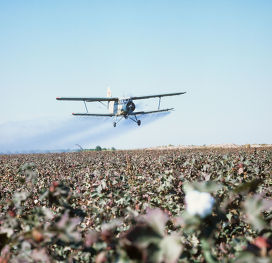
121,107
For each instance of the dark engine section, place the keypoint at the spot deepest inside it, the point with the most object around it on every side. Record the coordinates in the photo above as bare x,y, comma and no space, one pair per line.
130,107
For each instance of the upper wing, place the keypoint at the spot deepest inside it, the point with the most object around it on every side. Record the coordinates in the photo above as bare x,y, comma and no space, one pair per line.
89,99
93,114
148,112
157,96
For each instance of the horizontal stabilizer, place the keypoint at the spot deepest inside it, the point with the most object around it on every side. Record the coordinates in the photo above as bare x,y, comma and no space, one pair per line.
93,114
87,99
149,112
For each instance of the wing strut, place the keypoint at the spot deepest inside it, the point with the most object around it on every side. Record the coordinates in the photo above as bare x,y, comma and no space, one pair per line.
86,106
103,104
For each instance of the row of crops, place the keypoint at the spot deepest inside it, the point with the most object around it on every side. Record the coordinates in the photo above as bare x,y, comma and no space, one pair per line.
137,206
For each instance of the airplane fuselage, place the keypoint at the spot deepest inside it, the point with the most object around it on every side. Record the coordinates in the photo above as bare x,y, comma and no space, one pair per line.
123,107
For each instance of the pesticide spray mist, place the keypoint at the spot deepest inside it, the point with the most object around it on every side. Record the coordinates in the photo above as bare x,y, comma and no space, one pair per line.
53,134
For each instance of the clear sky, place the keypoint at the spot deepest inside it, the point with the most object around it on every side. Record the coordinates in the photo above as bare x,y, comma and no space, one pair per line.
218,51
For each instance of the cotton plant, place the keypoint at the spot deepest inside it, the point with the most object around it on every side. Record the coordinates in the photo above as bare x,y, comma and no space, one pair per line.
148,240
198,199
199,203
201,215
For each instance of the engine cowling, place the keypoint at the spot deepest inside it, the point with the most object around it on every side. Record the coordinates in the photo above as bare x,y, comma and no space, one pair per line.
130,107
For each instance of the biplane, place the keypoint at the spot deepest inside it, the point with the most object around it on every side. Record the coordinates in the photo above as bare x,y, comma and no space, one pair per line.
120,108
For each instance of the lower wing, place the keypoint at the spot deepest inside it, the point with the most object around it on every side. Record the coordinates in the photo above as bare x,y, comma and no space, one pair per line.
149,112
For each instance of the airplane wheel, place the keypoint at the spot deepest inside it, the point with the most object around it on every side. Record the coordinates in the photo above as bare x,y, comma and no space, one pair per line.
139,122
114,124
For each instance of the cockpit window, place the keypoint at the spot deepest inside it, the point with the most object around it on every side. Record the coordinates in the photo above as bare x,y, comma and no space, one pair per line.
124,101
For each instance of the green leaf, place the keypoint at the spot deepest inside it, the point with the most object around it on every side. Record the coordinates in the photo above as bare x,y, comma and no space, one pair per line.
248,187
209,187
143,235
253,208
157,219
171,249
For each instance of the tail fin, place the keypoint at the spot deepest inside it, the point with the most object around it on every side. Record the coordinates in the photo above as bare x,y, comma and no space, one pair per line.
110,103
109,92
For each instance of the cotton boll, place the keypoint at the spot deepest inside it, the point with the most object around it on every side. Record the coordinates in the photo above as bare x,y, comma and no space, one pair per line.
199,203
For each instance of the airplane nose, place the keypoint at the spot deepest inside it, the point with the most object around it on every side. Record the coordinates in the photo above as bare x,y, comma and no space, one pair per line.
130,107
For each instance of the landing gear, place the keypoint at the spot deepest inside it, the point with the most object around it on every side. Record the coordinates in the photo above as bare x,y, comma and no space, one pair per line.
135,120
116,120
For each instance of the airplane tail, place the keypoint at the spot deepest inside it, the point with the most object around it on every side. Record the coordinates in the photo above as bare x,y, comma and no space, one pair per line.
109,92
110,103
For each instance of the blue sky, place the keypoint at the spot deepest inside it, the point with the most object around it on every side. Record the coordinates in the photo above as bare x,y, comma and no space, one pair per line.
218,51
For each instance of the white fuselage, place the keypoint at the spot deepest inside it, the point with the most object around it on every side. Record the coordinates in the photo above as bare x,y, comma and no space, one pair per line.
122,107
